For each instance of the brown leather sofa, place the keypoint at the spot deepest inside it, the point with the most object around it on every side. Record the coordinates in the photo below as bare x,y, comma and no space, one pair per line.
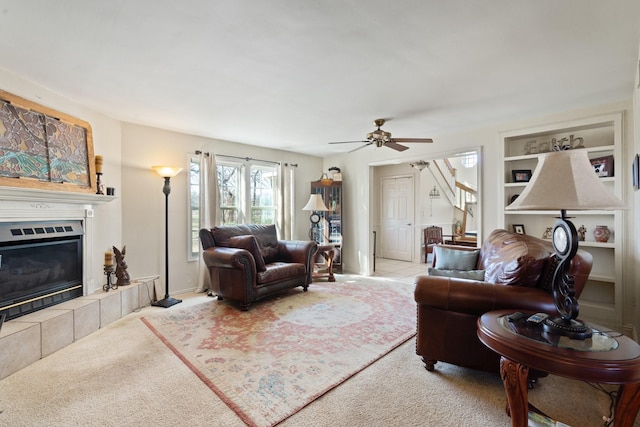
517,276
248,262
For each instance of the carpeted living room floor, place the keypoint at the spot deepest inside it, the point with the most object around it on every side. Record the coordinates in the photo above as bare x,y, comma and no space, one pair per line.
123,375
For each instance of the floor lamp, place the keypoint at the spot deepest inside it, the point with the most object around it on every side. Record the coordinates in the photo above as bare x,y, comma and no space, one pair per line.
167,172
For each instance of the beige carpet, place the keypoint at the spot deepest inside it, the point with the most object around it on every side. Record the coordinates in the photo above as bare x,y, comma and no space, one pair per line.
122,375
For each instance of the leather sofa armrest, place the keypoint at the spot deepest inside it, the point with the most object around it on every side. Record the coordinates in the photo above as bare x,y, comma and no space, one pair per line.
475,297
222,257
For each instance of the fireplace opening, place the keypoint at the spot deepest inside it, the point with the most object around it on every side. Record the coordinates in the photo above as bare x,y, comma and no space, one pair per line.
40,265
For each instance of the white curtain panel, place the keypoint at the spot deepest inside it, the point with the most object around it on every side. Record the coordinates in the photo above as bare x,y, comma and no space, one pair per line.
287,192
208,209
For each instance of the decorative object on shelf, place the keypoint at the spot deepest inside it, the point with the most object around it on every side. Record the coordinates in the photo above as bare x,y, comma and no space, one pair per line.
635,170
111,191
521,175
167,172
518,228
565,180
573,142
325,180
108,271
532,146
420,165
603,166
601,233
547,233
513,198
582,233
337,175
98,163
108,258
315,205
121,267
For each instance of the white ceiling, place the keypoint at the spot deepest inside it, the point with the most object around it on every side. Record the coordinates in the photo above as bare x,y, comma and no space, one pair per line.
296,74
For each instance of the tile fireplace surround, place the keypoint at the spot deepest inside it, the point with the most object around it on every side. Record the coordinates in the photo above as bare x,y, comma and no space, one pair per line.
28,338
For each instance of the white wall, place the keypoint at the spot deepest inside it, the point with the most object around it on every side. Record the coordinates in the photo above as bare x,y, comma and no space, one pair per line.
106,141
144,201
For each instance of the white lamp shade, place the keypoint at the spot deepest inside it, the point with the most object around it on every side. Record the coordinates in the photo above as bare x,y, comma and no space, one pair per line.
167,171
565,180
315,203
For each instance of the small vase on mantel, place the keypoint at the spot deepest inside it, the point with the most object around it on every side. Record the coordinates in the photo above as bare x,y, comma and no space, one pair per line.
601,233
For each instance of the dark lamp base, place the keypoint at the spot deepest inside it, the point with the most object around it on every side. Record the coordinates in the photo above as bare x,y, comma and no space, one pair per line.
573,329
167,302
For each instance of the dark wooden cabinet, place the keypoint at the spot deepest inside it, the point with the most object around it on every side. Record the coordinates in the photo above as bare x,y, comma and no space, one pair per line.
330,232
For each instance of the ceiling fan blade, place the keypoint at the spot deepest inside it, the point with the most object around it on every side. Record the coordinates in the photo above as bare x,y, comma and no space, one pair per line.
411,139
360,148
347,142
395,146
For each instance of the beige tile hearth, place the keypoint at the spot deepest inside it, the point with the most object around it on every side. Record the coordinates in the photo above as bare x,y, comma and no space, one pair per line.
26,339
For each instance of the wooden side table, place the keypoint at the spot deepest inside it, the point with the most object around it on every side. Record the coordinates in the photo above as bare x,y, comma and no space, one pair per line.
327,252
602,359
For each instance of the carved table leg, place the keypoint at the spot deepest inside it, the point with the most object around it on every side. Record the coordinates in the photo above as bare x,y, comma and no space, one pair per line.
515,380
627,405
330,255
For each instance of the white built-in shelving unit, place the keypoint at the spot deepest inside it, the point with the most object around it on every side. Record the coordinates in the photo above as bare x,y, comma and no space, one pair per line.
601,136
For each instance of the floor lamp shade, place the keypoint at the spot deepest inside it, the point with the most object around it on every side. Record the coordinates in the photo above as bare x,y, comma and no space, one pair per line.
167,172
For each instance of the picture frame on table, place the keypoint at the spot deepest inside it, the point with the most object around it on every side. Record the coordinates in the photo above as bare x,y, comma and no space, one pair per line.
521,175
518,228
603,166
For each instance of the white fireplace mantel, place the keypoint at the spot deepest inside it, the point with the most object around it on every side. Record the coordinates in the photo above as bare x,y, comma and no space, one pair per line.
18,194
27,204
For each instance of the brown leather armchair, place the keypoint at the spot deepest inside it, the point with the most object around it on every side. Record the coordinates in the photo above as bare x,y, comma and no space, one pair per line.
517,276
248,262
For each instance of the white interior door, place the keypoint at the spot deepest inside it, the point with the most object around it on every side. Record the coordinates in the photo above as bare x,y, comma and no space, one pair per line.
397,218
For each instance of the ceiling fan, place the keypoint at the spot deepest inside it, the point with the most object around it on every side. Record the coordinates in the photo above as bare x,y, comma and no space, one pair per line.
381,138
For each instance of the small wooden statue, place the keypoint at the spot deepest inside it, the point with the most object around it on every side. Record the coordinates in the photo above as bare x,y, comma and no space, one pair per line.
121,267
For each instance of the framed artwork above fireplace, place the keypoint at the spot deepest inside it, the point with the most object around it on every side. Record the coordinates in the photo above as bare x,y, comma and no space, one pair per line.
43,148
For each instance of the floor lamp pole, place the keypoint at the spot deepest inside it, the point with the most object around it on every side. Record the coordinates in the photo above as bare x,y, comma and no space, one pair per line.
167,301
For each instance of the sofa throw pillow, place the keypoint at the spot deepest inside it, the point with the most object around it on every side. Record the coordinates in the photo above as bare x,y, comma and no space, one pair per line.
267,238
453,259
457,274
249,243
514,259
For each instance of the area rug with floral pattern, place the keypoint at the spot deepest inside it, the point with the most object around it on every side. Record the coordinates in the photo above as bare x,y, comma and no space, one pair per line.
269,362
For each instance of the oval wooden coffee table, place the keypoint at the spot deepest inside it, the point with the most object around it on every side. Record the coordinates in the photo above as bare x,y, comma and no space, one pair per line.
604,358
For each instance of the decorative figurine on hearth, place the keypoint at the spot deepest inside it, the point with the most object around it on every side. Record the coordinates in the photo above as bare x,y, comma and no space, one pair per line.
121,267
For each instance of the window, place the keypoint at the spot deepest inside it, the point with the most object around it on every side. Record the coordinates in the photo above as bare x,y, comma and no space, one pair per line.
248,193
194,208
230,196
469,160
262,188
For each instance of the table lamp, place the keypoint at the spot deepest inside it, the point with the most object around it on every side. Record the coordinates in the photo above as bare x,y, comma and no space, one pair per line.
565,181
315,205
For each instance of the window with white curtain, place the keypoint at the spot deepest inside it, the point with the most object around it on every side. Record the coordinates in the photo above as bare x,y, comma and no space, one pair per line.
248,191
